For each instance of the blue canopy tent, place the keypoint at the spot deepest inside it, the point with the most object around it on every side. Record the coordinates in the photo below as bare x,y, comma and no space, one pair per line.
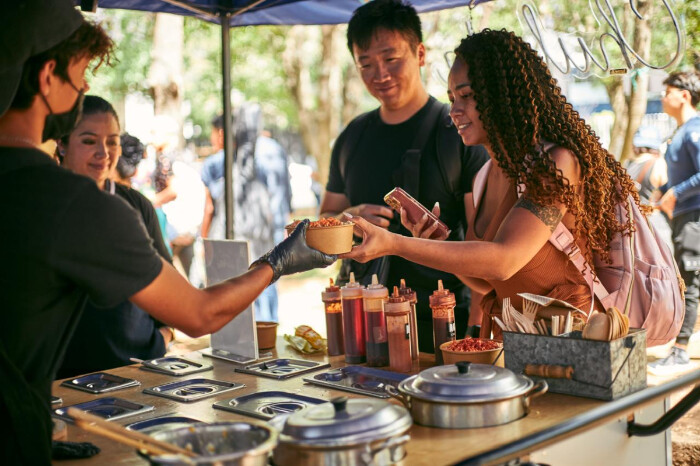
253,13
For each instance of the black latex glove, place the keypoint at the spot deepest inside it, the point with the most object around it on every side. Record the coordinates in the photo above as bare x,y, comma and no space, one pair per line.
73,450
293,255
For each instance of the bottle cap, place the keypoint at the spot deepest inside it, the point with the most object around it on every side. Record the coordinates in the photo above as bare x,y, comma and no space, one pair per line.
407,292
332,292
353,289
442,297
376,290
397,304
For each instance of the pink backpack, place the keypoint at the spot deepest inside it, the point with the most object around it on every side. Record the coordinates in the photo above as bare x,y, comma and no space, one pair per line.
642,281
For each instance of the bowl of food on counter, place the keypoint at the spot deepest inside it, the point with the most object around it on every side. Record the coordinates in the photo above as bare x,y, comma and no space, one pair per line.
328,235
476,350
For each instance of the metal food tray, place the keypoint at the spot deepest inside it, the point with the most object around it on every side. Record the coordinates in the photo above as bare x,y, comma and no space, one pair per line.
163,423
281,369
174,366
358,379
109,408
268,404
100,382
192,389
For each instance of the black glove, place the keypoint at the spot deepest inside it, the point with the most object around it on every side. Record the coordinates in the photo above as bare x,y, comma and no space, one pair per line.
73,450
293,255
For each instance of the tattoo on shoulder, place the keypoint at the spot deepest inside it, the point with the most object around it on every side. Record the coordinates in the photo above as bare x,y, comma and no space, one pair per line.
550,215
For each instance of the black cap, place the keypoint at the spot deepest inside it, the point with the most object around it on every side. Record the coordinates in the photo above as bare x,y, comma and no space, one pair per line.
28,28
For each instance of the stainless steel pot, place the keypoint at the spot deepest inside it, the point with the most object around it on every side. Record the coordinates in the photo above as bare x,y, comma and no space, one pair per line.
467,395
223,443
345,432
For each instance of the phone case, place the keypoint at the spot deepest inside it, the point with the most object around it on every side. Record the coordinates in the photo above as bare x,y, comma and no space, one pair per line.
398,198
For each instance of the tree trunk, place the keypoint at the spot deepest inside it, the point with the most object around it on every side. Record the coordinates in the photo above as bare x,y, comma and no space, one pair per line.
166,72
618,102
640,78
326,103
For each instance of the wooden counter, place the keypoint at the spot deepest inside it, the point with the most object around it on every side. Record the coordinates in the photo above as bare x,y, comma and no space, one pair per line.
552,418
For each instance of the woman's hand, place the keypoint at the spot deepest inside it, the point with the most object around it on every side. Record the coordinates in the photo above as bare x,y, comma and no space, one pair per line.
376,241
425,227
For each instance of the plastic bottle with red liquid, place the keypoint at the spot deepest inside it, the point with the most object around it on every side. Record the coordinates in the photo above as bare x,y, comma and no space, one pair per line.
377,343
398,327
412,298
442,302
353,321
334,319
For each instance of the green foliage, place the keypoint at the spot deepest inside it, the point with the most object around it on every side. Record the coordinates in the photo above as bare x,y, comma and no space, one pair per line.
133,34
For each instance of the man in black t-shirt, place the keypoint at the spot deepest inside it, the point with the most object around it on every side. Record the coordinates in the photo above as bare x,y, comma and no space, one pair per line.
370,156
64,240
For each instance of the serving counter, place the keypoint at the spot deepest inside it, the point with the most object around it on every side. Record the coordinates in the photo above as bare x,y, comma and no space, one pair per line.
558,428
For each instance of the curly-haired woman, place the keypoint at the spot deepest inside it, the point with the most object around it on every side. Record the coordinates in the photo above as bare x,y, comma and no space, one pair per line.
547,166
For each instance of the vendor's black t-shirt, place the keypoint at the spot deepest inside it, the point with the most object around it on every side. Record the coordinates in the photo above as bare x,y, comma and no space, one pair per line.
62,241
367,179
108,337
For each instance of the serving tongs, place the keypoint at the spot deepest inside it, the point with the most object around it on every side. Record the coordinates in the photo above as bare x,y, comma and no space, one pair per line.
140,441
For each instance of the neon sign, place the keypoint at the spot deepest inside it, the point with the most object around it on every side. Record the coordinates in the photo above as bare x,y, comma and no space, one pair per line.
580,58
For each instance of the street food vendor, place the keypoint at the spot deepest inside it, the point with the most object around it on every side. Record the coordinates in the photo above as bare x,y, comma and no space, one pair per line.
65,240
542,155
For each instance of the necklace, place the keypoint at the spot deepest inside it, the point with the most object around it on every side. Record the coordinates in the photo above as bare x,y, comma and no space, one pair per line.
20,139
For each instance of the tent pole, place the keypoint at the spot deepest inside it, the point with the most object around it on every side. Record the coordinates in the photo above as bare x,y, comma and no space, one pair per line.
228,127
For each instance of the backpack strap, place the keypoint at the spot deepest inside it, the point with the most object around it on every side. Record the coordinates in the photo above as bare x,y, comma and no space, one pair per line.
563,240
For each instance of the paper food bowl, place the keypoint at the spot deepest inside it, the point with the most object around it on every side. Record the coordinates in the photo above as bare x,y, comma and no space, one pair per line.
267,334
330,240
478,357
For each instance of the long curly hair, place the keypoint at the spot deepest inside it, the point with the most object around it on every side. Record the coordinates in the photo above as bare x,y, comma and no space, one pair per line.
521,107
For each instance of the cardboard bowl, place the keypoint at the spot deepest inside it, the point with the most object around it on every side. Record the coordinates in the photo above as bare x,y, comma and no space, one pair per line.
330,240
478,357
267,334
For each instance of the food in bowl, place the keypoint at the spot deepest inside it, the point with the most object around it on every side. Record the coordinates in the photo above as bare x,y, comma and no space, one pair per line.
476,350
328,235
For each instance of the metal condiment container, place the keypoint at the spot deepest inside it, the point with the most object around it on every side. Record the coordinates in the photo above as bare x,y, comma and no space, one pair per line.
357,431
467,395
223,443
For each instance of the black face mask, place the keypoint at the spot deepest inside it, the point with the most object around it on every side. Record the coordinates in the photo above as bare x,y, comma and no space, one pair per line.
57,125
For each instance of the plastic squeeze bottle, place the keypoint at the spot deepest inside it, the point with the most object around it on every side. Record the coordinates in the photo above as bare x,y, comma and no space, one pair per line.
442,302
398,325
412,298
377,343
353,321
334,319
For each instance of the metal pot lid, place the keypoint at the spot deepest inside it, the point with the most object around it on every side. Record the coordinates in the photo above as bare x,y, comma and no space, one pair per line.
466,382
346,421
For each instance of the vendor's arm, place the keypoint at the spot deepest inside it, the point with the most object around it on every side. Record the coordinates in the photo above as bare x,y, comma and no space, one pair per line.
523,232
171,299
476,284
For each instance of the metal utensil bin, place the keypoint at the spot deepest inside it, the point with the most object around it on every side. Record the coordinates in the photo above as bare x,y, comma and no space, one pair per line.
605,370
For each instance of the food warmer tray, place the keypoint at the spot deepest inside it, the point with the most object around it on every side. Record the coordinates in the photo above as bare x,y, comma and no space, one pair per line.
281,369
99,382
193,389
358,379
268,404
175,366
109,408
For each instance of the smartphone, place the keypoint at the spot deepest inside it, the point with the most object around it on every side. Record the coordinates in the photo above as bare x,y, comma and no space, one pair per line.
398,198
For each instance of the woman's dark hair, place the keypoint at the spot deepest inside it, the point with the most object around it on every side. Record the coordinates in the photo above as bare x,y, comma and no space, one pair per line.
93,105
132,154
686,81
392,15
522,107
89,40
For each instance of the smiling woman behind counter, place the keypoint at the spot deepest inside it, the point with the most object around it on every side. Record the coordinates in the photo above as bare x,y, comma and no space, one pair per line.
542,155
